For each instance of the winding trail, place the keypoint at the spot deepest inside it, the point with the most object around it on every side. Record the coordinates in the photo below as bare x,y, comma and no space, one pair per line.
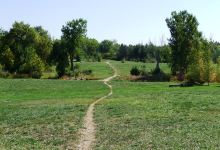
88,131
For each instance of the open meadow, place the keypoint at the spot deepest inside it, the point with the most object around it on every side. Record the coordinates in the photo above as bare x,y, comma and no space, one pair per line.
48,114
44,114
109,75
153,116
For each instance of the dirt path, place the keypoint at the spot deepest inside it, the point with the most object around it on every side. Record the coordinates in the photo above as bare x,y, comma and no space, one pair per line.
88,131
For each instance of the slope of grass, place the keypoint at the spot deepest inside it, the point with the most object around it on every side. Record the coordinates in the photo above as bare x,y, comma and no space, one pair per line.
100,70
124,68
154,116
44,114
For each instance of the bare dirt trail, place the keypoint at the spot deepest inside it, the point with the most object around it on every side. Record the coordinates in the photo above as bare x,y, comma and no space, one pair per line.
88,131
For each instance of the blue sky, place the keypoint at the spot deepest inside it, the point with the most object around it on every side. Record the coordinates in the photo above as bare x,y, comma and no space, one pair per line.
127,21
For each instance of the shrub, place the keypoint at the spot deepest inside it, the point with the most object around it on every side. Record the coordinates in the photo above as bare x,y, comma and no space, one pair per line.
195,72
123,60
135,71
87,72
75,73
201,71
218,70
34,67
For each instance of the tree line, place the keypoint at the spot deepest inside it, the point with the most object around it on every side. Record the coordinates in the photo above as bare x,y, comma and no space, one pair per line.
27,50
31,50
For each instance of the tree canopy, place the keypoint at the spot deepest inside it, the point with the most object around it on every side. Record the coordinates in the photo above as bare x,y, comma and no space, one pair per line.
184,40
73,32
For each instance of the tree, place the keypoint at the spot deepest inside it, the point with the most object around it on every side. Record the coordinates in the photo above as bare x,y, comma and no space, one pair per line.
73,32
108,49
59,57
122,53
90,48
208,63
7,59
184,40
25,49
202,69
43,44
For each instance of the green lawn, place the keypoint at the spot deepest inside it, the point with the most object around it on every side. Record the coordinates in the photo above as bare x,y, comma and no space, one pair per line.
124,68
44,114
100,70
47,114
154,116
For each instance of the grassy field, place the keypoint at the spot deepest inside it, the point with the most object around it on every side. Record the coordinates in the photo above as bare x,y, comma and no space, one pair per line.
124,68
154,116
44,114
47,114
100,70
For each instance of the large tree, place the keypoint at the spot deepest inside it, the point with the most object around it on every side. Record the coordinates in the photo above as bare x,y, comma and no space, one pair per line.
184,40
25,49
73,32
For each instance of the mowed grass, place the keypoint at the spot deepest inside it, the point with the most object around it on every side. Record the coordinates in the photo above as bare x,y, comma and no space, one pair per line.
124,68
44,114
100,70
154,116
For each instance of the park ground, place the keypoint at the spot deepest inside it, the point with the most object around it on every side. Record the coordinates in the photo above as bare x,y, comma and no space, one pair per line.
47,114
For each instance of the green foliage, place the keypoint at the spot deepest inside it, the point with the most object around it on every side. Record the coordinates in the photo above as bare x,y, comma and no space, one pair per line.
215,48
144,53
108,49
202,69
135,71
196,71
75,72
87,72
44,44
33,64
73,32
25,49
218,70
59,57
184,40
7,59
152,76
90,49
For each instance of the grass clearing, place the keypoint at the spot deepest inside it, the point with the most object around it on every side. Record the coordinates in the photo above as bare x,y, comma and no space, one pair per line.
154,116
100,70
124,68
44,114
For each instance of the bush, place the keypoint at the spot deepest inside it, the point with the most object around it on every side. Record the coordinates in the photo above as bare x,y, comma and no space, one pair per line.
87,72
218,70
154,75
201,71
75,73
34,67
135,71
1,68
195,73
36,74
123,60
